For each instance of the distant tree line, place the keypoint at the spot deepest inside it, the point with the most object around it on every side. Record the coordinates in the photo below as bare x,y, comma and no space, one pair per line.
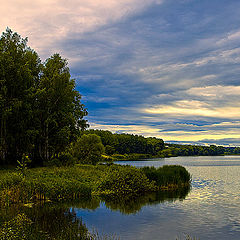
129,144
172,150
40,110
115,143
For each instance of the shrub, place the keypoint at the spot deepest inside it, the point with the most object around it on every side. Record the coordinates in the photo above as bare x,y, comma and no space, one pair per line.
123,180
109,150
23,164
64,159
54,162
167,175
88,149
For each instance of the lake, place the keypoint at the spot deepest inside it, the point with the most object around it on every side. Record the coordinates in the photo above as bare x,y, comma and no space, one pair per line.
210,210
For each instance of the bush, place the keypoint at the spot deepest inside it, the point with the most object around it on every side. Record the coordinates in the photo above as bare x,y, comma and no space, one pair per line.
67,159
123,180
54,162
88,149
64,159
109,150
167,175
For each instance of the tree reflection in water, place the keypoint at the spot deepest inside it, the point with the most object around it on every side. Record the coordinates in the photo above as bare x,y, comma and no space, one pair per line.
133,204
59,220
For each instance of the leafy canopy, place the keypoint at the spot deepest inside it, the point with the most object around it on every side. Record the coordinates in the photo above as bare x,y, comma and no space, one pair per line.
40,110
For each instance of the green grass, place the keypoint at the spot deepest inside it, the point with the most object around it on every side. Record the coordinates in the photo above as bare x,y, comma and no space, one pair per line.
79,181
171,176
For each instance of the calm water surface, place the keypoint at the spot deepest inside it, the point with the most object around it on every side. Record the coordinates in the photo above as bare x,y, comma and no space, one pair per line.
210,210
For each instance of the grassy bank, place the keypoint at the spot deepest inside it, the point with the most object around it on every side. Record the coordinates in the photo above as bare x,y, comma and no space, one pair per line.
79,181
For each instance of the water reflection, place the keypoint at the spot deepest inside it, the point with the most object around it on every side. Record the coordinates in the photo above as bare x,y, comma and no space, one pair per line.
132,205
47,221
60,221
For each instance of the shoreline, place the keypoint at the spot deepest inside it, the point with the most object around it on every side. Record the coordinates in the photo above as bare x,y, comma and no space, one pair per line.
161,158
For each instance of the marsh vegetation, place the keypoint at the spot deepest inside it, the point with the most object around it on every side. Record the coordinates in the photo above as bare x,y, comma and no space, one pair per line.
69,183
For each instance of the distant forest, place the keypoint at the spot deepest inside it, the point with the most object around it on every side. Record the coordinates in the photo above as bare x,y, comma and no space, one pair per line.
135,146
121,144
196,150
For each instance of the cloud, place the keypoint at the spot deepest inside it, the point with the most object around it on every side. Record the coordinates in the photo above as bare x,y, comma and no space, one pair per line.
155,78
46,22
215,91
195,108
231,37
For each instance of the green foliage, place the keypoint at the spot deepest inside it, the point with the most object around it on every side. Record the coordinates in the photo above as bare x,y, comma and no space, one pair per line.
109,149
128,143
47,183
9,178
134,147
172,150
168,175
63,159
40,111
125,180
69,183
88,149
60,112
168,152
19,74
23,164
130,157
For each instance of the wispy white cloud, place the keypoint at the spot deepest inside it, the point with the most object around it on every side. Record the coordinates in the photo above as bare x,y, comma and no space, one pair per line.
195,108
46,22
230,37
210,101
216,92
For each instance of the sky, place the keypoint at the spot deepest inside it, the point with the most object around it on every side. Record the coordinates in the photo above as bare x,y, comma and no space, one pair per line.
163,68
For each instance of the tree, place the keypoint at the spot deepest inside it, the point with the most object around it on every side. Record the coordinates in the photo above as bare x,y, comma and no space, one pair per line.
59,108
19,74
88,149
40,111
